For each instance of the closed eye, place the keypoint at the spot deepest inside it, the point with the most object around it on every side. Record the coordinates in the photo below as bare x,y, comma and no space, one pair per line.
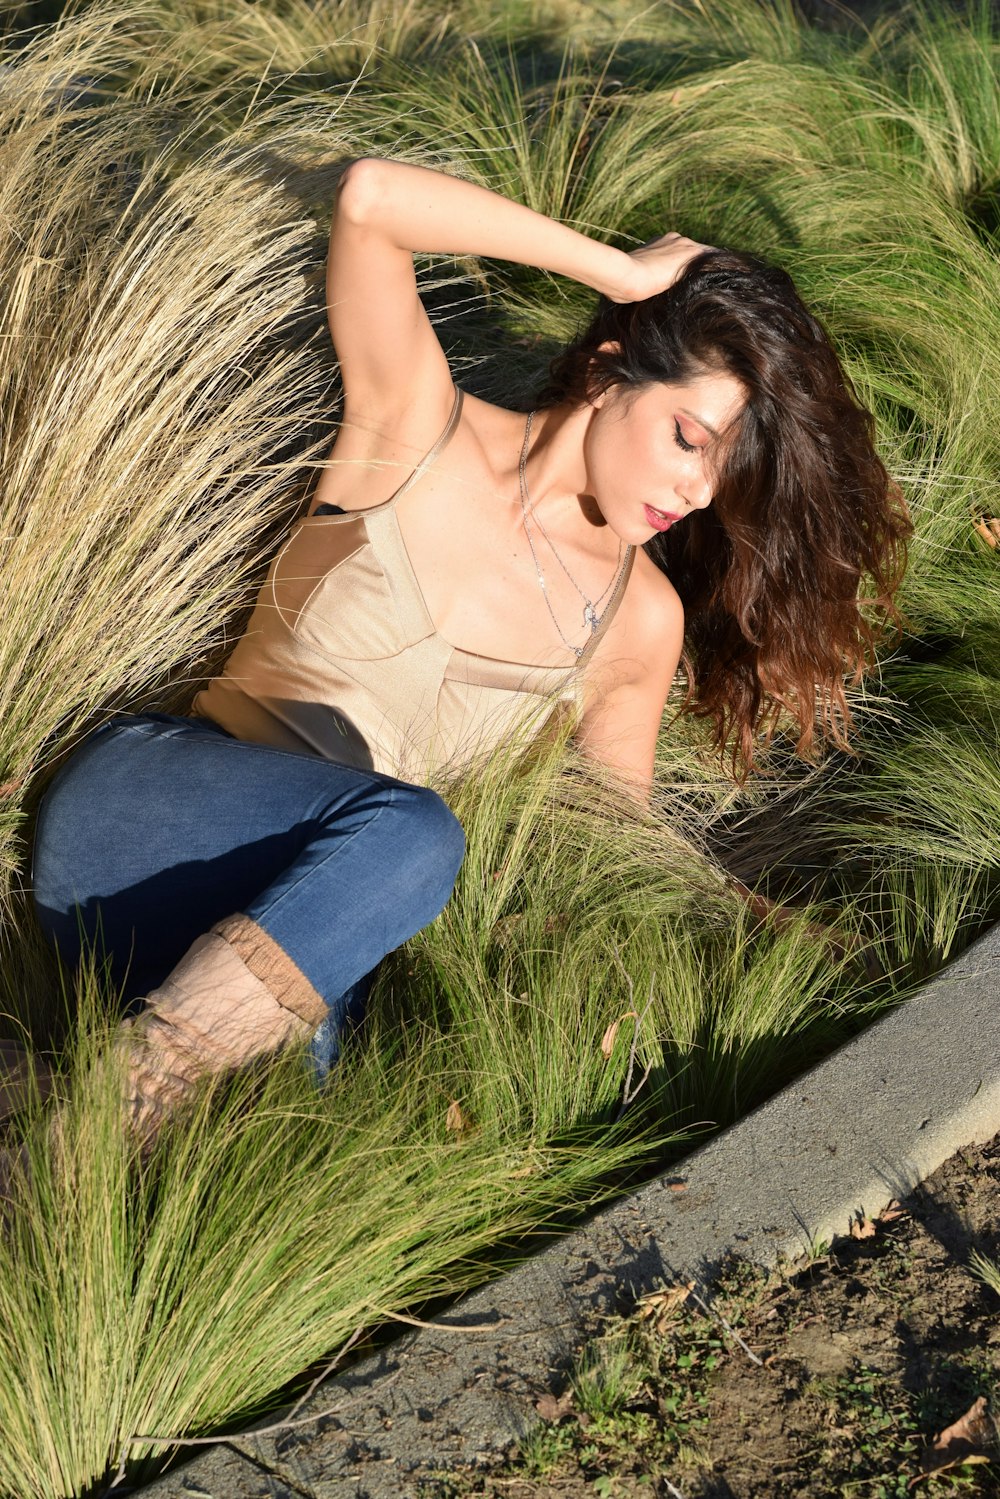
679,438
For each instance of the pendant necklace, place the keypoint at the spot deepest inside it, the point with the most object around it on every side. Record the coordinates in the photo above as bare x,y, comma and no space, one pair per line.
592,613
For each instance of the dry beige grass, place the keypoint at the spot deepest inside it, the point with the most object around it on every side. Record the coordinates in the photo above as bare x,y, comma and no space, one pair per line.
161,384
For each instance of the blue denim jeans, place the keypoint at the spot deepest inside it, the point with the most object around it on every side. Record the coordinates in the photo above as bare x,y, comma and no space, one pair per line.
158,827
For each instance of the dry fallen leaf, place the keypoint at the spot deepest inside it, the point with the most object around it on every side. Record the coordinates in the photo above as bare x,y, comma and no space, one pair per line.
608,1039
659,1306
892,1212
989,529
862,1227
551,1408
669,1296
505,928
961,1442
455,1120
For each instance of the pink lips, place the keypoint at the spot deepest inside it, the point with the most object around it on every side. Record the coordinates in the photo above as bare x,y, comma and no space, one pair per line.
660,520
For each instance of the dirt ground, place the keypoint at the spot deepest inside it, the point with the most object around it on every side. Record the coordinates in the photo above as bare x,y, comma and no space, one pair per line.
870,1369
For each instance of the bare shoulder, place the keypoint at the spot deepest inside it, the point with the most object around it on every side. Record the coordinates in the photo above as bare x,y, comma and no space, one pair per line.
649,627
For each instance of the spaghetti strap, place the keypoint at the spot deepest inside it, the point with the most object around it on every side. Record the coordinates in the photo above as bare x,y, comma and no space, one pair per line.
429,457
610,611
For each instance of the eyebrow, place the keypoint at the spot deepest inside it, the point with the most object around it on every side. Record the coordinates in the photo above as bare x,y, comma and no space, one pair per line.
699,419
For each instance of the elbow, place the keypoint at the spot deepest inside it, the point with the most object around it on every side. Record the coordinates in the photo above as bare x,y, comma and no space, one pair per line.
360,189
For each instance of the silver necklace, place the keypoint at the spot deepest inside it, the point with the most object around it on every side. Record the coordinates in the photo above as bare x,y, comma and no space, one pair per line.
592,614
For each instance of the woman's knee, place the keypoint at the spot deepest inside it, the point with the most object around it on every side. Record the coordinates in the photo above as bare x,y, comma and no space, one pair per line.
55,881
433,847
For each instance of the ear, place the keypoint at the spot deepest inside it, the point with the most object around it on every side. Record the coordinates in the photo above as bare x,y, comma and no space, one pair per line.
608,346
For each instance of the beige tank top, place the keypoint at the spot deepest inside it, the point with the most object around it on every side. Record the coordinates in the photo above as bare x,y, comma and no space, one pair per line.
341,657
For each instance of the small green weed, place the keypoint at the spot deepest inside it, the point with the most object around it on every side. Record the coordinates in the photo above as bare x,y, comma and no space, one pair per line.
637,1401
546,1449
884,1431
881,1431
609,1376
986,1270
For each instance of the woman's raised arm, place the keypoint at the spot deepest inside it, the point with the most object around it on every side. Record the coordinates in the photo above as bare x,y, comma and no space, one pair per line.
391,361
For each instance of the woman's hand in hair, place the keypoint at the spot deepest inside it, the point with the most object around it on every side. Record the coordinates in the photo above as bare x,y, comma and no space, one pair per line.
656,266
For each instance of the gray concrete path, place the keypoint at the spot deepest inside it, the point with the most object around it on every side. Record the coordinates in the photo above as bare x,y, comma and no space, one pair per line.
863,1127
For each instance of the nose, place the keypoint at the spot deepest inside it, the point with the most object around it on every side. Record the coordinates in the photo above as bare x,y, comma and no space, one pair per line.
696,490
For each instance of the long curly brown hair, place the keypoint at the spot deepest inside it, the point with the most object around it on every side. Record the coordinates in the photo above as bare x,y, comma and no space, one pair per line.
804,514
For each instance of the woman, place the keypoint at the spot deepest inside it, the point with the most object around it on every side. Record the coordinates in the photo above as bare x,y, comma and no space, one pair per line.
283,834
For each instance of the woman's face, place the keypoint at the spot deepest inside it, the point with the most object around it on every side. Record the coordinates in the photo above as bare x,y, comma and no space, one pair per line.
653,454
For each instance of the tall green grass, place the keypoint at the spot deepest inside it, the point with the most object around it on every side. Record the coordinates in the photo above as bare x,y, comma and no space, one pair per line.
166,390
150,1301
